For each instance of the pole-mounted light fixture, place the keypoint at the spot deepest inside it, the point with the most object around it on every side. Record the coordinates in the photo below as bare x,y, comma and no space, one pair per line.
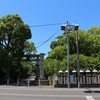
66,27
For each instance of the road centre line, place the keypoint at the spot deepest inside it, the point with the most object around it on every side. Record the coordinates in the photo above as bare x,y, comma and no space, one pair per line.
46,95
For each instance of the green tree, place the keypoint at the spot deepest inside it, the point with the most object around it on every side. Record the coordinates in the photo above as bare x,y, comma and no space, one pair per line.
13,34
29,48
51,67
89,50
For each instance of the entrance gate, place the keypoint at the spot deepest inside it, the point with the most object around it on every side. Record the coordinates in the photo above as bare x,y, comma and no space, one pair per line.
38,58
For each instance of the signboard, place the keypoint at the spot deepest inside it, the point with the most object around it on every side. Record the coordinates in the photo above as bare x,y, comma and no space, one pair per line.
55,78
71,79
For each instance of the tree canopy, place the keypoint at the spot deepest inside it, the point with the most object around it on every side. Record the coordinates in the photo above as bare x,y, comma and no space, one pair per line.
89,50
14,34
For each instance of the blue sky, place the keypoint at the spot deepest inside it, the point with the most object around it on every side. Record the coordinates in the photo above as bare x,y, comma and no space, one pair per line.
86,13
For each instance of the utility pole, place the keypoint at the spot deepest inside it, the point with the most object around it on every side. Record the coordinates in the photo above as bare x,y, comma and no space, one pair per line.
68,60
78,63
66,27
75,28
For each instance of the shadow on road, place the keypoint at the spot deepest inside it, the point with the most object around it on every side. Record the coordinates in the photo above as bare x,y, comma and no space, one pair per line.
91,91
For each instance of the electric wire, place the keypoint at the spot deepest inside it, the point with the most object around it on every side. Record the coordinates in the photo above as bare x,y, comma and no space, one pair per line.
48,39
46,25
44,41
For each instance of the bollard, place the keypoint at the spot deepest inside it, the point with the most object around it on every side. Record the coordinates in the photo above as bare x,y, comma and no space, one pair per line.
7,81
28,82
17,81
39,82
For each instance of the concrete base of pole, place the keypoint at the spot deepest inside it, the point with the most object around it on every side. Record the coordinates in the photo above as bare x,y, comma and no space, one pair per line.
78,84
39,82
68,85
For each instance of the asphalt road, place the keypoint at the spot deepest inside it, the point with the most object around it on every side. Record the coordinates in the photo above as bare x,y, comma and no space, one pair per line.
48,93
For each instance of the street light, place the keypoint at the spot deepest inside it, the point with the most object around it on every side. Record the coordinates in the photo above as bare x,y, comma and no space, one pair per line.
66,27
75,28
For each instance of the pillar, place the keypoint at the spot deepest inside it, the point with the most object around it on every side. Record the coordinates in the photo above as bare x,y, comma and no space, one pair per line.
42,65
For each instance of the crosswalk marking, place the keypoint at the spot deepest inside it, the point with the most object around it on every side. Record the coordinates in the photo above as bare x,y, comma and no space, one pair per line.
89,98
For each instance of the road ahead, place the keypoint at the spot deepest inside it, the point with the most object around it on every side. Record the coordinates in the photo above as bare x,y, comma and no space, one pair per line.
42,93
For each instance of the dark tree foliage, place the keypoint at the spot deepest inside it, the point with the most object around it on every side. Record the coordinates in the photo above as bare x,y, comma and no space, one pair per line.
13,43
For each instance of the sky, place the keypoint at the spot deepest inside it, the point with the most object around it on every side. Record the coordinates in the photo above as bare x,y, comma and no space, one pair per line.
86,13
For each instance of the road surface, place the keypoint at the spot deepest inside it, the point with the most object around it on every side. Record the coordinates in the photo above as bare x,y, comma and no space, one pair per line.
48,93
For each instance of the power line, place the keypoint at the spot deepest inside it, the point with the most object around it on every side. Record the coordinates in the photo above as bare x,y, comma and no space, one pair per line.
43,41
48,39
46,25
39,42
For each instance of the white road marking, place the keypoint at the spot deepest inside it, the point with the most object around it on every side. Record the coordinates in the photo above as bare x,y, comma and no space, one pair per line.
89,98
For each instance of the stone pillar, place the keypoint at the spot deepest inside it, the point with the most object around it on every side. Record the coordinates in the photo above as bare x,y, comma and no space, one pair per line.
38,67
84,79
74,74
99,79
42,65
